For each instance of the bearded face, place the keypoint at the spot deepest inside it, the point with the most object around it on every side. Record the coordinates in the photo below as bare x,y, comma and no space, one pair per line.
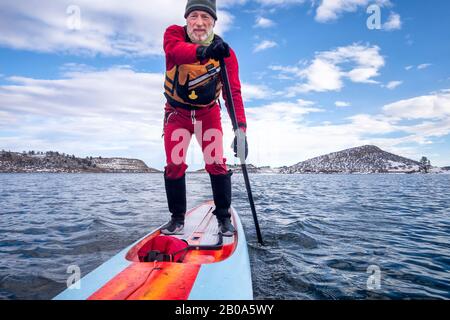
200,25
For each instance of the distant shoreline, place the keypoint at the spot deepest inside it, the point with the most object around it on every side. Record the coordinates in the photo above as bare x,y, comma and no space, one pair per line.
239,173
360,160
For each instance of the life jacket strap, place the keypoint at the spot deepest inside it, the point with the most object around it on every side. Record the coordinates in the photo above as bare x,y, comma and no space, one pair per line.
177,104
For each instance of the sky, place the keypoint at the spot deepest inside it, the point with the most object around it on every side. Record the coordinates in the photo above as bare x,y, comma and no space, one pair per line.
318,76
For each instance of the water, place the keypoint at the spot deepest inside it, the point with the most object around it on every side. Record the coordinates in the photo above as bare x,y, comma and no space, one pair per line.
323,233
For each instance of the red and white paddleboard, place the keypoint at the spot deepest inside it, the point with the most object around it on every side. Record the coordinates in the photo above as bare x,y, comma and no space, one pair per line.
212,268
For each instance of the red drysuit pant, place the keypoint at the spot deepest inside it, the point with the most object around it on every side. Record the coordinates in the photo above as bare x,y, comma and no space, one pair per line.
179,126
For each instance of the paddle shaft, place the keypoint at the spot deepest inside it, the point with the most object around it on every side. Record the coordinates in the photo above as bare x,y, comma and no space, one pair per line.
226,84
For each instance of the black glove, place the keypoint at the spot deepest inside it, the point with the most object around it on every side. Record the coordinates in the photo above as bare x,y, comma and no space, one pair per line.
240,144
216,50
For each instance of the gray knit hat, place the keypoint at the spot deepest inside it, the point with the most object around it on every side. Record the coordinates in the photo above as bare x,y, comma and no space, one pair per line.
204,5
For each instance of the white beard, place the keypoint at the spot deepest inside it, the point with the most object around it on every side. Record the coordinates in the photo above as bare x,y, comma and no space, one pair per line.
203,38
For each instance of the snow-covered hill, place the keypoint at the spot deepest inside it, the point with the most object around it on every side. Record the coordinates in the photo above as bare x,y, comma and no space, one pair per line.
365,159
57,162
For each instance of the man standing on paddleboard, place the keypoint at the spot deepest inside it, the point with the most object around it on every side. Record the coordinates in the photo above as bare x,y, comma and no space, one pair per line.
192,89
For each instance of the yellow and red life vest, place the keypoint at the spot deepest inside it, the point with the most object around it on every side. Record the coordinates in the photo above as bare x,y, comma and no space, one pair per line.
193,85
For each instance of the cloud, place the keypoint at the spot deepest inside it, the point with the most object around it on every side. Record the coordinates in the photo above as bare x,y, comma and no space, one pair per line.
423,66
409,40
277,3
119,28
307,103
262,22
369,125
418,67
393,84
284,111
432,106
421,120
230,3
321,75
342,104
255,92
394,22
424,131
117,90
264,45
265,3
328,70
330,10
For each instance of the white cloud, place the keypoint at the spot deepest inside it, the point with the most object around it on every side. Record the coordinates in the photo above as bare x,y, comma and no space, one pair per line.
364,124
432,106
363,75
6,119
132,27
342,104
321,76
393,84
327,71
254,92
418,67
265,3
279,2
409,40
420,119
262,22
394,22
230,3
423,131
264,45
283,112
118,90
294,70
307,103
330,10
423,66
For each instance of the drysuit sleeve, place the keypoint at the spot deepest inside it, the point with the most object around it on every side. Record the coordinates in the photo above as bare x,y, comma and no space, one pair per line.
177,50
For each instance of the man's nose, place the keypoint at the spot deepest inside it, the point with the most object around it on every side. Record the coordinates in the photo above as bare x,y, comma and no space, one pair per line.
199,22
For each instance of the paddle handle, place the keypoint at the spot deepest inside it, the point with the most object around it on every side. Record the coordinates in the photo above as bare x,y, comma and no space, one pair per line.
227,88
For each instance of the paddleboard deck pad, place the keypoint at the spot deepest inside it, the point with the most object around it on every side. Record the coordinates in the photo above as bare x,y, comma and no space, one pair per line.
212,268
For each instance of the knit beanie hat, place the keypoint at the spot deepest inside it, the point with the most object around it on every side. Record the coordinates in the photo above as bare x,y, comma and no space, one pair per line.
204,5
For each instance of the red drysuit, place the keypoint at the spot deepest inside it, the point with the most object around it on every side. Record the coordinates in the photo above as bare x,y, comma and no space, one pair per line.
180,124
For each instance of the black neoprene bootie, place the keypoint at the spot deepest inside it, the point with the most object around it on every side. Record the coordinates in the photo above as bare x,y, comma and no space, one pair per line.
176,200
221,187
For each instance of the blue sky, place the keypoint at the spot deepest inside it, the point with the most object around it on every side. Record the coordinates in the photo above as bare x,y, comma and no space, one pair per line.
315,78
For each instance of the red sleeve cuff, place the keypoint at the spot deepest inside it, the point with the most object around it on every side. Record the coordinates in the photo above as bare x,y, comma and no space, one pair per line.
243,126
